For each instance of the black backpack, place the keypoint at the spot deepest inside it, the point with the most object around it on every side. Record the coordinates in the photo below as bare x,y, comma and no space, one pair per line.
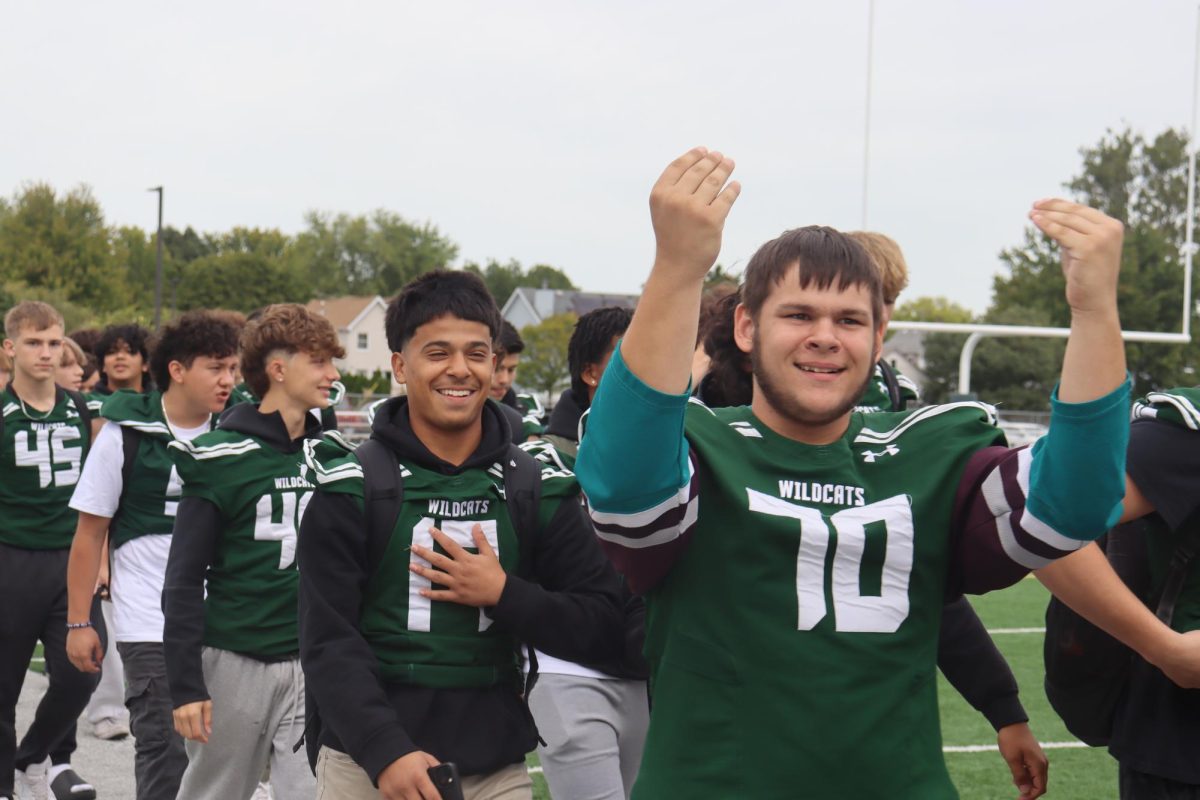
893,386
383,495
1087,670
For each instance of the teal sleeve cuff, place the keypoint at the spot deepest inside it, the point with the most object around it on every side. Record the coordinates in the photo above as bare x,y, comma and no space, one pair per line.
1077,475
633,454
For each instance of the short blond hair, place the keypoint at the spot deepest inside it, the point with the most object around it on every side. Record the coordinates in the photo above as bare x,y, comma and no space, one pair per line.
888,259
32,313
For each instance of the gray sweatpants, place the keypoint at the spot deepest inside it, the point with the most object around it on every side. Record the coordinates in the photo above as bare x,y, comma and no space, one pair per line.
594,730
257,715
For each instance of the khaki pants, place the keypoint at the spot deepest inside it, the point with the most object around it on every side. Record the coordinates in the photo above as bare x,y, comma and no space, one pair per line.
340,778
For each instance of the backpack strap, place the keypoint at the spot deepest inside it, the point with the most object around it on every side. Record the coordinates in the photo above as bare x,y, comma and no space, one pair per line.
1177,571
85,415
383,494
893,385
131,440
523,497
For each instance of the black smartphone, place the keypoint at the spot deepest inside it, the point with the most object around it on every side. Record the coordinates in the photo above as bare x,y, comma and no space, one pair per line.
445,778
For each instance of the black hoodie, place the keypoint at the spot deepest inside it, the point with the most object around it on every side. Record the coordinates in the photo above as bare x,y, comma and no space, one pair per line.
572,611
197,533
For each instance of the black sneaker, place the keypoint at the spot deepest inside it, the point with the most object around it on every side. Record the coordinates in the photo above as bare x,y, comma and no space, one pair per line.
69,786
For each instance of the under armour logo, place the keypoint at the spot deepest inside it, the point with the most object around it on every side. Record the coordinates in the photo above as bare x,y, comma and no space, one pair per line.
871,457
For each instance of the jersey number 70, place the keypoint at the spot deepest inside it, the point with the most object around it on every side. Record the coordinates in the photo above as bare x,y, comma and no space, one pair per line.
852,610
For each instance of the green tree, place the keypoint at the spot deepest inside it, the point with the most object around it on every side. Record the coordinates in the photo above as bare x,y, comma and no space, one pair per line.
1143,183
504,279
940,349
344,254
60,243
544,362
237,281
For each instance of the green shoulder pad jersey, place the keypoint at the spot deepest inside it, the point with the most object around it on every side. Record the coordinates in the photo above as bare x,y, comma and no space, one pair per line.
417,641
242,393
876,398
41,455
261,494
151,496
851,545
1179,408
533,414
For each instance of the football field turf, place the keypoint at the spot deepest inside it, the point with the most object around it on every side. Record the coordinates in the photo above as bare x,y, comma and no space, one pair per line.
1076,773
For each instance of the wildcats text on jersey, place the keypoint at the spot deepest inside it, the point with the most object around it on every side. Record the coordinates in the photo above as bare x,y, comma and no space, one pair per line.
458,509
830,494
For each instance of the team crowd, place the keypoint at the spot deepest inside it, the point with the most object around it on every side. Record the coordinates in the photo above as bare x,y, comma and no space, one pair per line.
727,562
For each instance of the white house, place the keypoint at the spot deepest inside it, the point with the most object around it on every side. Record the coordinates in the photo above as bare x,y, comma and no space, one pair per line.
527,306
359,325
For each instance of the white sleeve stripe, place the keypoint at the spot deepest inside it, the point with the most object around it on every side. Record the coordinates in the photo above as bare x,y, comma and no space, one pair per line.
1031,524
1014,550
640,519
664,536
1191,417
867,436
1001,510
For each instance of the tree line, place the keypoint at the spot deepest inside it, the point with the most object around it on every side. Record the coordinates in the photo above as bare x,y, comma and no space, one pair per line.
57,246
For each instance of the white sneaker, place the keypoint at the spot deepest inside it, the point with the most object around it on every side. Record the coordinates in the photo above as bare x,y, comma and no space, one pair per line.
111,729
32,783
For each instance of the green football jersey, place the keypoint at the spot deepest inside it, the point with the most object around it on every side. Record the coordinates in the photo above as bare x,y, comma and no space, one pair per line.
261,494
877,397
41,454
417,640
150,497
805,609
1179,407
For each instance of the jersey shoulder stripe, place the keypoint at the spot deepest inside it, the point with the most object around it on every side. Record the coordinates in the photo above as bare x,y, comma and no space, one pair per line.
221,450
1180,406
951,413
11,408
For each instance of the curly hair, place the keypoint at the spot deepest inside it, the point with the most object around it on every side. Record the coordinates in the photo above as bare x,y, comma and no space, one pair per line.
135,337
289,327
86,338
590,341
191,336
729,380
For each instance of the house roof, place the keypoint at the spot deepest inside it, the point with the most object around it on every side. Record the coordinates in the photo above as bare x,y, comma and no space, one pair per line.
343,312
542,303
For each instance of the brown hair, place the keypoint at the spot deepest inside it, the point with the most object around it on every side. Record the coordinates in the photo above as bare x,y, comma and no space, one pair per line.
886,256
32,313
289,327
823,255
72,347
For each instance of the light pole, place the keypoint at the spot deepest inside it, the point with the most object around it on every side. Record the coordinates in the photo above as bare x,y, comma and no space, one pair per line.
158,275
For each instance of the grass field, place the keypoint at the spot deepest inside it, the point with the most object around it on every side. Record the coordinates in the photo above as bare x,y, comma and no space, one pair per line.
1075,774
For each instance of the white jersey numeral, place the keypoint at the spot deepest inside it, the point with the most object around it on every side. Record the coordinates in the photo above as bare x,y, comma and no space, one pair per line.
420,608
854,612
281,527
55,461
174,490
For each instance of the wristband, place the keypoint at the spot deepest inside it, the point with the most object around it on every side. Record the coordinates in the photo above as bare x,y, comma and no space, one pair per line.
74,626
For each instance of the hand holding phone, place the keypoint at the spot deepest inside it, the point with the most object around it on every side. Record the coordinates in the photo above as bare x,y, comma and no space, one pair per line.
445,778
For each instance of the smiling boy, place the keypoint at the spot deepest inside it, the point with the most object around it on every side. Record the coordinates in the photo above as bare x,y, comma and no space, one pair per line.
410,646
129,491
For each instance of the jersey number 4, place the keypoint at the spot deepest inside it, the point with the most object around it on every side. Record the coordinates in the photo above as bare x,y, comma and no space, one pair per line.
277,518
56,462
853,611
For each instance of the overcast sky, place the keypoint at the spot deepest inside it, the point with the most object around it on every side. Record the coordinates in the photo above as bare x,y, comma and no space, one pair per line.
534,130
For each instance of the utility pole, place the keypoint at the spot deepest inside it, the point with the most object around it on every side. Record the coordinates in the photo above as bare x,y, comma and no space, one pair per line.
158,272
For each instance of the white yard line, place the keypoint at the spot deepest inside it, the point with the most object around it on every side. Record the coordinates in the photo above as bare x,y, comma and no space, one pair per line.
995,631
991,748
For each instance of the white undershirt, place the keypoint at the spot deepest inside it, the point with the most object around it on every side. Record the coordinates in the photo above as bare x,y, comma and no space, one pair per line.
140,564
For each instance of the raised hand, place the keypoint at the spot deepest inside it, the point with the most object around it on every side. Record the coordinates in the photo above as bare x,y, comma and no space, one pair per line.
688,206
1091,252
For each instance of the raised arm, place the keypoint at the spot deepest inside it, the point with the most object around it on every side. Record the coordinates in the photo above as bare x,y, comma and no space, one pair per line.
688,206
